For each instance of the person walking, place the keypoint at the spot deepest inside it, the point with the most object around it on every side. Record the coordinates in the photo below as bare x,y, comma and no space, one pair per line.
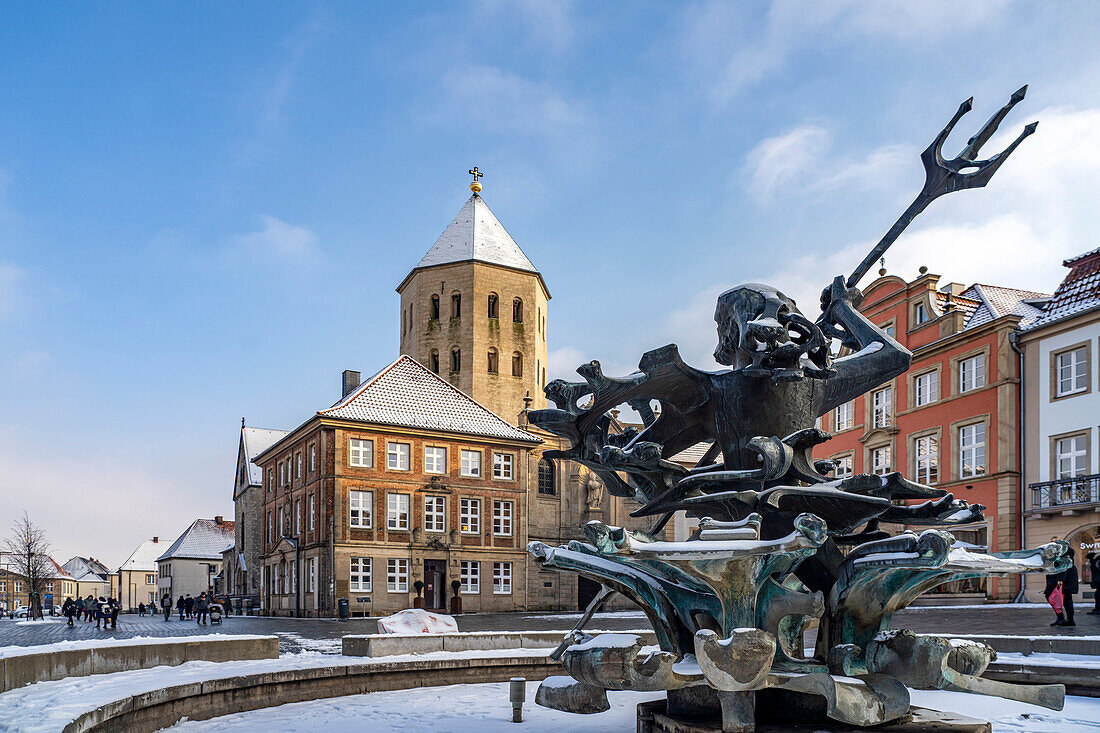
1067,580
101,612
68,608
181,606
190,606
1092,561
166,606
201,607
89,608
79,607
114,607
141,610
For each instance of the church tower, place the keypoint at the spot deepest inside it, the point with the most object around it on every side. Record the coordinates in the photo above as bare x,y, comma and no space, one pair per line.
473,310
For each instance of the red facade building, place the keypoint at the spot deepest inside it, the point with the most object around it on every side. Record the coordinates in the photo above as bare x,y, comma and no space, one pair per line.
951,420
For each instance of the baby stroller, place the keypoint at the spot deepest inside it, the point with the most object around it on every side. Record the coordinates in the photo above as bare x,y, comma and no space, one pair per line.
215,613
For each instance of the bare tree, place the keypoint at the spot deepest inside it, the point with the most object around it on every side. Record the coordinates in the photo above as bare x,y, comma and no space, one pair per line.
29,556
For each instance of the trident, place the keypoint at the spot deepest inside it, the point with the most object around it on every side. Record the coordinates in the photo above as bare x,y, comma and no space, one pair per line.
944,176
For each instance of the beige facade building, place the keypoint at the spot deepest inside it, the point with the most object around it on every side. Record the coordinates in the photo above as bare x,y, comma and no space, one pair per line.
190,565
1061,403
136,580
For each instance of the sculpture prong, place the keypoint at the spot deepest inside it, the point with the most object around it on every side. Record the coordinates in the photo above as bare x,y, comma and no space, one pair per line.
974,144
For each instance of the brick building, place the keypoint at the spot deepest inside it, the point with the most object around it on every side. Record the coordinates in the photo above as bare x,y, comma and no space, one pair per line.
15,590
1061,403
952,420
405,478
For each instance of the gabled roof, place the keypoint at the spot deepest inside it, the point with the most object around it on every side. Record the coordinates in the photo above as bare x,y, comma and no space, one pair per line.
1079,292
86,569
997,301
203,540
475,235
408,394
144,557
255,441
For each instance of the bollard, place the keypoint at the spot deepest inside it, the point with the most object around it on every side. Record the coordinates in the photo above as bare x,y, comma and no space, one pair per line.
517,691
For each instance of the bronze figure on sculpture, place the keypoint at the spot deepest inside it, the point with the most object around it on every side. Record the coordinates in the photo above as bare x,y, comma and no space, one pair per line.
780,542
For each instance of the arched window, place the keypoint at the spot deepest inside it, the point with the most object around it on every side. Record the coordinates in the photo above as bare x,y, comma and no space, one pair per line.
493,305
456,305
517,364
433,361
456,360
517,311
433,312
494,366
546,477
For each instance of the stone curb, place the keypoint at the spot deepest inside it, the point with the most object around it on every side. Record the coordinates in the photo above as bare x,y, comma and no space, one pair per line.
162,708
24,669
383,645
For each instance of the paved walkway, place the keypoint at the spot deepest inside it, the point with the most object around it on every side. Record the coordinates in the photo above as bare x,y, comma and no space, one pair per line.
324,634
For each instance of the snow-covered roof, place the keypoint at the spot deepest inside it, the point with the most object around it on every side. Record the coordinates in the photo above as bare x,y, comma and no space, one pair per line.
1079,292
408,394
256,441
203,540
997,301
9,563
476,234
144,557
86,569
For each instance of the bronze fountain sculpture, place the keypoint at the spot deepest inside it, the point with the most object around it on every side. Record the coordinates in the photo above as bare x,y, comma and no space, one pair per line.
780,542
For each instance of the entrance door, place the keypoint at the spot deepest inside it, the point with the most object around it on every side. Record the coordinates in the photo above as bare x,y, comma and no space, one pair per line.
586,591
434,583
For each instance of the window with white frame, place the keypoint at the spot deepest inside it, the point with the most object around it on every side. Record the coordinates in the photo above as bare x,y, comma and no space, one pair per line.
889,329
1072,371
470,463
361,453
1071,456
926,388
844,467
312,457
18,585
435,514
311,575
920,312
270,532
282,473
502,518
397,511
298,461
502,578
972,450
882,402
881,460
972,373
397,575
469,516
297,517
150,579
360,574
845,415
312,513
502,466
282,521
361,509
435,459
469,575
3,586
926,457
397,456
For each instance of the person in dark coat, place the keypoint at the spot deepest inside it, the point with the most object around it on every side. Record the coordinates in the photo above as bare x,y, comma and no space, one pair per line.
190,605
79,607
141,609
201,607
114,607
166,606
1069,580
89,608
68,608
101,610
181,606
1093,561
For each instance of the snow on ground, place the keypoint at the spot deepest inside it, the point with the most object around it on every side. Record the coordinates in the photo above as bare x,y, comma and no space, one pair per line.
457,709
485,708
417,621
325,646
1076,661
607,614
63,646
35,622
977,605
47,707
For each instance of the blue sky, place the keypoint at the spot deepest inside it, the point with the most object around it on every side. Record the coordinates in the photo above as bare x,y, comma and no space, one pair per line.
204,208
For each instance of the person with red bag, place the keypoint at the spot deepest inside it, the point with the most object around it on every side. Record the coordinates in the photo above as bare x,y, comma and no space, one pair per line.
1059,593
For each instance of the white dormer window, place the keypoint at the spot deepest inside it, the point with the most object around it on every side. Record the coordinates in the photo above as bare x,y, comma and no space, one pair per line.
920,313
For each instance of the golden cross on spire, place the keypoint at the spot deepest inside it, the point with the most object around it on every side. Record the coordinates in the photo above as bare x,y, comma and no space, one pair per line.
475,186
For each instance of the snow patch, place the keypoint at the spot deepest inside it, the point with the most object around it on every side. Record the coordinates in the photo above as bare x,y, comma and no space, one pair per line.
417,621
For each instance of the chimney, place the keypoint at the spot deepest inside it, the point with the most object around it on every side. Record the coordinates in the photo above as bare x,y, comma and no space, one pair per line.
218,519
351,381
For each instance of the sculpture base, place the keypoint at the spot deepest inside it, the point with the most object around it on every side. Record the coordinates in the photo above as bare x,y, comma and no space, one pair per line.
652,718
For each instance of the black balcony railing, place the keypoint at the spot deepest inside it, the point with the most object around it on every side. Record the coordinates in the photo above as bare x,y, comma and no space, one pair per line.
1066,492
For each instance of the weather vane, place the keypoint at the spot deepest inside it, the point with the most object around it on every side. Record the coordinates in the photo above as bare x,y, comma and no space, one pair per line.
475,186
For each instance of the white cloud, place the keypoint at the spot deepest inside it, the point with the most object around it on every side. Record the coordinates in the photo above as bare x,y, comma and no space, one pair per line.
550,24
777,161
729,48
503,102
279,242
